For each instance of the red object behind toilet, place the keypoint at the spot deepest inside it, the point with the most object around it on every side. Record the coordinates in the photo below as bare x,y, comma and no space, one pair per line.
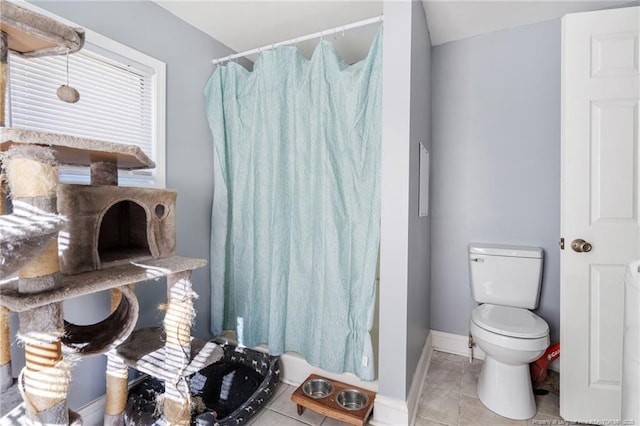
539,367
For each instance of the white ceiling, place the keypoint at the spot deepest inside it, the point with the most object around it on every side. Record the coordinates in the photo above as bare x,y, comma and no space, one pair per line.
244,25
455,20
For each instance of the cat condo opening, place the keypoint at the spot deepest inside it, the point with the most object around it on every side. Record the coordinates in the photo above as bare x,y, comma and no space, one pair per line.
123,233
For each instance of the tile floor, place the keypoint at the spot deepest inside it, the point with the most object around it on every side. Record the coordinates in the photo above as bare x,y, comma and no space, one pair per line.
448,398
281,411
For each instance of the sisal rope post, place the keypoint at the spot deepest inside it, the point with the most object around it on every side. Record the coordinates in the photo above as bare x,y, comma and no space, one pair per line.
117,378
6,375
32,172
44,264
117,390
5,350
177,325
176,413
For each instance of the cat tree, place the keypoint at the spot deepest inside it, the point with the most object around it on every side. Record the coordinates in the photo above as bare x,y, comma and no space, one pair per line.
66,241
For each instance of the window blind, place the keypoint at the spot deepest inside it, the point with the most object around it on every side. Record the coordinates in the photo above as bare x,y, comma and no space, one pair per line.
116,104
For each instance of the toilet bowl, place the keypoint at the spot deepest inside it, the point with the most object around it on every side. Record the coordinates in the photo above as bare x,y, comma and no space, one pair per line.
504,385
506,281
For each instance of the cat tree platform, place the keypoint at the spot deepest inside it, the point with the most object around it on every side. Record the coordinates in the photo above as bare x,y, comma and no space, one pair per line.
94,282
76,151
145,351
31,34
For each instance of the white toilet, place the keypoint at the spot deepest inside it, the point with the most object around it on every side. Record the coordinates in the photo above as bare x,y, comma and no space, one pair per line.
506,281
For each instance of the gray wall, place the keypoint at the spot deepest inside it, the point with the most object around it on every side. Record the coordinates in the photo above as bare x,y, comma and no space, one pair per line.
394,191
496,161
404,244
419,229
187,52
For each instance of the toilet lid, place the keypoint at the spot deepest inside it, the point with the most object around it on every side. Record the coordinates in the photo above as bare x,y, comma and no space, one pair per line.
508,321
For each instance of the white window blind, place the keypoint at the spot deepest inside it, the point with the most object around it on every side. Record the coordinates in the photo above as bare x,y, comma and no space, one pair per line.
116,104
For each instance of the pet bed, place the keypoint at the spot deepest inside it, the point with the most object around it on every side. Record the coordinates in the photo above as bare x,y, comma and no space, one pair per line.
225,393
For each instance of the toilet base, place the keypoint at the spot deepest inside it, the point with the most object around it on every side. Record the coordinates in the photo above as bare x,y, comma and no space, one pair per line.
506,389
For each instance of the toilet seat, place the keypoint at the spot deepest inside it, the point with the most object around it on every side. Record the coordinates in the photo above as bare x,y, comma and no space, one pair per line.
509,321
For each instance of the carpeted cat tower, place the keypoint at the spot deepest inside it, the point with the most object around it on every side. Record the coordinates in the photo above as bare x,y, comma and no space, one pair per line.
64,241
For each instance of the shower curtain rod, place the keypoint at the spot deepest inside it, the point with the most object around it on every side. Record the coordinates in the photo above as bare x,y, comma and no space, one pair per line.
295,40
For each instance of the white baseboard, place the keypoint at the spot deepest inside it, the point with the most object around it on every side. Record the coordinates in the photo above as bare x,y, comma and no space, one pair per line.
454,344
388,411
419,377
93,413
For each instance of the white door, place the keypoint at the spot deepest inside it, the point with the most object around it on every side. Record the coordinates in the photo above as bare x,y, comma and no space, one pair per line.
600,203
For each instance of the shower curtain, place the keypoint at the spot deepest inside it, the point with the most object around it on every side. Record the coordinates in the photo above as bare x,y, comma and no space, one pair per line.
296,206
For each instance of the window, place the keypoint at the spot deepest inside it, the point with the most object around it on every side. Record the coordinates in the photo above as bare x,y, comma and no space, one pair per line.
122,99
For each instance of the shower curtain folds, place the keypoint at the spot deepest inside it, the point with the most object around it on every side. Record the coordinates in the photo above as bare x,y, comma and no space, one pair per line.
296,203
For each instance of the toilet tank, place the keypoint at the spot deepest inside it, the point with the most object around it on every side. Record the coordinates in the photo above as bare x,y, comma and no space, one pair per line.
505,275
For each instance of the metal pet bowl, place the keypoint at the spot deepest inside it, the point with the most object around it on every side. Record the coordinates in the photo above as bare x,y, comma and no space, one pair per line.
317,388
351,399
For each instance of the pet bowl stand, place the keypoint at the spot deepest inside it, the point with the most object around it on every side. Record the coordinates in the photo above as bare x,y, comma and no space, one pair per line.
327,406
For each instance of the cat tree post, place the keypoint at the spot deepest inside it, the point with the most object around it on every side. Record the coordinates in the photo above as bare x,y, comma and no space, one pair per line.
6,375
177,325
104,173
117,375
33,179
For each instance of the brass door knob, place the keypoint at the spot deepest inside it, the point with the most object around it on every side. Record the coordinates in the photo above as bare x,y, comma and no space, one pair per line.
581,246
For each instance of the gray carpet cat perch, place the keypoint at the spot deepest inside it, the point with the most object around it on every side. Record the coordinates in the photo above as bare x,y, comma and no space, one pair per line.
67,241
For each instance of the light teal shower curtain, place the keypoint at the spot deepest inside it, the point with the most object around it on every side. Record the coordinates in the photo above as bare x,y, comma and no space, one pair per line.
296,209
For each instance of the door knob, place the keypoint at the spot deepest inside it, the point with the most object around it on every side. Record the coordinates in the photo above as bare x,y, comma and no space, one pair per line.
581,246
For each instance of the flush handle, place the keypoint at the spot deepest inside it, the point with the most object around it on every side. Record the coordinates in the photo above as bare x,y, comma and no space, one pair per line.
581,246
